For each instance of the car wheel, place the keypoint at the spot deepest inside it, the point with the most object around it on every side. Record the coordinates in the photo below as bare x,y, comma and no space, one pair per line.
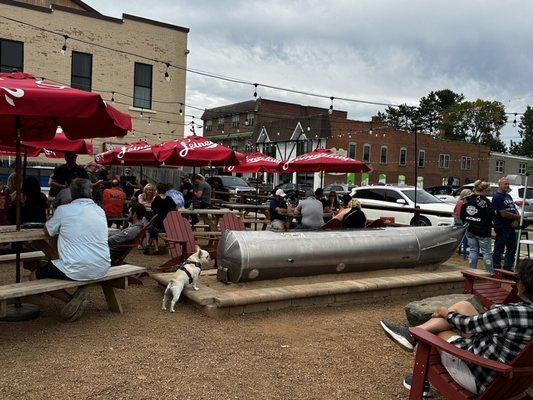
422,221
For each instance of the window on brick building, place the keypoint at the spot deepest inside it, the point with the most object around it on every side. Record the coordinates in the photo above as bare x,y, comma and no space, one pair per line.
444,161
220,124
303,147
250,118
466,163
81,73
421,158
366,153
11,55
351,150
209,125
142,86
383,155
500,166
522,167
403,156
235,121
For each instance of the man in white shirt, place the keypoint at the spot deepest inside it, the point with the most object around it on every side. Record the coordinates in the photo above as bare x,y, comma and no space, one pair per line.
82,244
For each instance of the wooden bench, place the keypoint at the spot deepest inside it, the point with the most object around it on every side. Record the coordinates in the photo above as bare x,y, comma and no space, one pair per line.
28,256
116,278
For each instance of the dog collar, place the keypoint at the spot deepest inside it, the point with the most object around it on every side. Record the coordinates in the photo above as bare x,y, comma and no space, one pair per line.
181,267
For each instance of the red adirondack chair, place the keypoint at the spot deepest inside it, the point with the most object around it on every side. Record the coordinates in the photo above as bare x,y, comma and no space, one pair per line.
129,246
332,225
492,290
180,239
512,382
231,222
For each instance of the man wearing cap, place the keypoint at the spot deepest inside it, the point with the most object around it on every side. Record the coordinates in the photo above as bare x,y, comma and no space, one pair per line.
311,210
278,211
65,173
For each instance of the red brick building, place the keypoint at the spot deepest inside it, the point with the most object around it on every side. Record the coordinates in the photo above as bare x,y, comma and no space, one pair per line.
285,130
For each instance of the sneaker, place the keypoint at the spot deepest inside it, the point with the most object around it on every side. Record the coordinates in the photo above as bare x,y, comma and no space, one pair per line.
400,334
78,312
71,308
408,380
146,251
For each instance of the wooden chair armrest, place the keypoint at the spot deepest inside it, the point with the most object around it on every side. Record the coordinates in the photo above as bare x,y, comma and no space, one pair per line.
174,240
123,246
502,272
468,274
441,344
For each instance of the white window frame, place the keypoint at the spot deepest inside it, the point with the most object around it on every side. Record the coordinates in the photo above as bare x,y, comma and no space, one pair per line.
381,154
466,163
235,121
444,161
369,147
220,123
500,166
402,149
522,168
209,125
250,117
421,156
350,145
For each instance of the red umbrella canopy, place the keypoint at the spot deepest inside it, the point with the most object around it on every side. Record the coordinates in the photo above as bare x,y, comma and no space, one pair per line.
323,160
55,148
194,151
256,162
39,107
137,153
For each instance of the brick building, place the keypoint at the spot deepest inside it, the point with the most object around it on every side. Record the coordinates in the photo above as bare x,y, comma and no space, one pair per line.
285,130
501,164
137,85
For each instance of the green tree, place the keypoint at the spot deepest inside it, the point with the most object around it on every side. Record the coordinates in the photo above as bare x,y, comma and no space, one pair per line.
525,130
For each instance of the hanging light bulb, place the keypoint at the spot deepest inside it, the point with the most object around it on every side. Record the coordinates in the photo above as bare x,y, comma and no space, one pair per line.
514,122
133,132
350,135
142,115
371,131
330,111
181,110
167,76
112,97
149,120
308,128
255,90
64,48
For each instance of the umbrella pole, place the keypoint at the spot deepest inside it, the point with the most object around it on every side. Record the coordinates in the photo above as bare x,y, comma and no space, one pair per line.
25,164
141,172
19,311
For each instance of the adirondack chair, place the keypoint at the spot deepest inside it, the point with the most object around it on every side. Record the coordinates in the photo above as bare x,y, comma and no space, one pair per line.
512,382
377,223
231,222
129,246
180,240
332,225
492,290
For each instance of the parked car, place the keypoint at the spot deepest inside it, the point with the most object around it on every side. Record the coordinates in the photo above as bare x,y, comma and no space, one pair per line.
233,185
292,189
403,197
339,188
517,193
444,193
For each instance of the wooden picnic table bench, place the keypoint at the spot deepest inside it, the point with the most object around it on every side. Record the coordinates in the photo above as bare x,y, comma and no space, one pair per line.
116,278
27,256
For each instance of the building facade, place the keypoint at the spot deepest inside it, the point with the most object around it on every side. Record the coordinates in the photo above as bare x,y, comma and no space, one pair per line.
135,84
502,164
285,130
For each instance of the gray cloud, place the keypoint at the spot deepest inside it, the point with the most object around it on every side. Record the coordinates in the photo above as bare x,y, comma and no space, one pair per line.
388,50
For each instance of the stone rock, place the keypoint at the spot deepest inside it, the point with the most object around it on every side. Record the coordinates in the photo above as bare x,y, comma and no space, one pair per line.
420,311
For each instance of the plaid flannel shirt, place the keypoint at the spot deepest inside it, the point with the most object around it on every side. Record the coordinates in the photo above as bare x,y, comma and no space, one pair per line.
498,334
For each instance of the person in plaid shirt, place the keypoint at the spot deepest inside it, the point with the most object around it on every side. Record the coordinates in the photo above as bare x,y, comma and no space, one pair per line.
497,334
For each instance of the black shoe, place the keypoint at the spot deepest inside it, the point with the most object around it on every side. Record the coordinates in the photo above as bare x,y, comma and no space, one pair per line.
408,380
146,251
400,334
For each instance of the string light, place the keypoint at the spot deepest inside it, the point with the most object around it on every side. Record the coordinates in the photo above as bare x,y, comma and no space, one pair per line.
149,120
330,111
514,122
167,76
64,48
181,110
141,113
112,97
370,131
255,90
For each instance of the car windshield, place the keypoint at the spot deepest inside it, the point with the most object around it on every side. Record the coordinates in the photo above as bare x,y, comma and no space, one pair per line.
233,181
529,193
422,197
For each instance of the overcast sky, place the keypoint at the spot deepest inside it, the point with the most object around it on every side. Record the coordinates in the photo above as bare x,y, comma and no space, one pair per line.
380,50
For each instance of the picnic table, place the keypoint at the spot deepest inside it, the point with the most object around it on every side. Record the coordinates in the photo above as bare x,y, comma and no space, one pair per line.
208,215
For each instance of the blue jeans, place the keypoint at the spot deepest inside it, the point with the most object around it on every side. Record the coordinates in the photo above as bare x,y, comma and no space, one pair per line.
505,240
483,243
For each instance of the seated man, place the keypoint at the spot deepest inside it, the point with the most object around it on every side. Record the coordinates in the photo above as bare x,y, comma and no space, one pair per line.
498,334
135,216
82,245
113,201
311,210
278,211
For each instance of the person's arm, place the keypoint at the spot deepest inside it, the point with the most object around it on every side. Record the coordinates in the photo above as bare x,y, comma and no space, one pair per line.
298,209
124,236
509,215
494,320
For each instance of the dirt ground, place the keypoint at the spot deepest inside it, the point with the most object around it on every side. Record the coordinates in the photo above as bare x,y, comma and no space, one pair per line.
146,353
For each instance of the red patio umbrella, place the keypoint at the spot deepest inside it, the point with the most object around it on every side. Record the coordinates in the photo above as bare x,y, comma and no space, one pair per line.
323,160
32,109
194,151
137,153
255,162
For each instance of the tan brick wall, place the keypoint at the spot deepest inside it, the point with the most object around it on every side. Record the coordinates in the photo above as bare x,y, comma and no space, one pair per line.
111,70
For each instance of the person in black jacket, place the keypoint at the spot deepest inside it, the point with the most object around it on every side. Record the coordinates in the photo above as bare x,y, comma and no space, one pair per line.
477,212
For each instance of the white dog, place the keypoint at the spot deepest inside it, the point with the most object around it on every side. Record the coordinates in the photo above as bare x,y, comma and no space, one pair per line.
187,273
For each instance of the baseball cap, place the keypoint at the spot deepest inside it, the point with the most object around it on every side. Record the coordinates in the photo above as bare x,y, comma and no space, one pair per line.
280,192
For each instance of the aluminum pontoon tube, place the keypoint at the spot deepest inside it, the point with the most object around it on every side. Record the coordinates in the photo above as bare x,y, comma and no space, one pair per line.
257,255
